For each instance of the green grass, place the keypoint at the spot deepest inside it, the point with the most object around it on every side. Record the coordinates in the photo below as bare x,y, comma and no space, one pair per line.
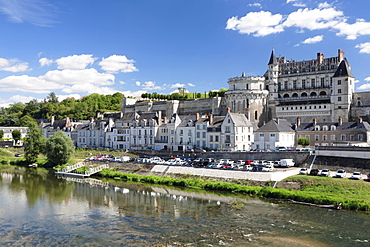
353,195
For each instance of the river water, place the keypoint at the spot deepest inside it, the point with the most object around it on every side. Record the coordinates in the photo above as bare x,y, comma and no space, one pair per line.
39,209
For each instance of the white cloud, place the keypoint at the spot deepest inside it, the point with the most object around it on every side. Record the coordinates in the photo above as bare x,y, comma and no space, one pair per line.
296,3
364,47
177,85
118,63
36,12
89,88
356,81
75,61
62,97
313,40
21,98
255,5
29,84
69,76
191,85
12,65
138,83
122,82
45,62
257,23
324,17
364,87
150,85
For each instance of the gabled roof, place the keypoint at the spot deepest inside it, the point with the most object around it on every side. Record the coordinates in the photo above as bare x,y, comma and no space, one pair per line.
343,70
217,121
275,125
186,119
240,120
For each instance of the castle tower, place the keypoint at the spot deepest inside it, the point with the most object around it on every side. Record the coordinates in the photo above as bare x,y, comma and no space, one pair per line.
272,84
342,90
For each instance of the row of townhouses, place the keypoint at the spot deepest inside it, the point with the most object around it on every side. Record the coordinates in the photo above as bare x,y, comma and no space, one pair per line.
233,132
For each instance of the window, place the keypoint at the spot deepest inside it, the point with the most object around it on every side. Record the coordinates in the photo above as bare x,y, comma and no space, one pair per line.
324,137
312,83
339,82
322,81
198,134
255,115
316,137
360,137
339,98
333,137
204,126
343,137
227,129
339,90
198,127
181,132
216,138
204,134
211,138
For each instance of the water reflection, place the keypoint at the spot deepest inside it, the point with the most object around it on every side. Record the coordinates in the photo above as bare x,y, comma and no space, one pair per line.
39,209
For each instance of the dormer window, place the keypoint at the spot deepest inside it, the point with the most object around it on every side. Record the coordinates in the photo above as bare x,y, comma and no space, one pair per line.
325,128
333,127
317,127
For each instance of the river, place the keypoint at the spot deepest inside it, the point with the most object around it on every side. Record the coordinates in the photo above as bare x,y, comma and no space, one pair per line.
39,209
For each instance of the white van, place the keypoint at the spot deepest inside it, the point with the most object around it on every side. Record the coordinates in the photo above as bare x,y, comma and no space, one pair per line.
287,162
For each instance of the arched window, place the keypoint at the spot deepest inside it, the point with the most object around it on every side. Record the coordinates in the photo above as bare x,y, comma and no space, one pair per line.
359,103
255,115
295,95
313,94
247,86
322,93
304,95
286,95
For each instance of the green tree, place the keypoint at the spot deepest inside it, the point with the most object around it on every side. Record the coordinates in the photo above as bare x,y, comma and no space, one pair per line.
34,143
1,134
26,120
59,148
303,141
16,134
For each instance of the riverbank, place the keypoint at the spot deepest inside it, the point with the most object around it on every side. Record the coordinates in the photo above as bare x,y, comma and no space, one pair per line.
350,194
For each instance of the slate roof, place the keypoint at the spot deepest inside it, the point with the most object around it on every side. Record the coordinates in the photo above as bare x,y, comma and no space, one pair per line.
273,59
343,127
275,125
240,120
343,70
185,120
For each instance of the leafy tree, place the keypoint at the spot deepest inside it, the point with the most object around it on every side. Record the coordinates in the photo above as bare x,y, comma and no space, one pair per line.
303,141
1,134
34,143
52,98
59,148
26,120
16,134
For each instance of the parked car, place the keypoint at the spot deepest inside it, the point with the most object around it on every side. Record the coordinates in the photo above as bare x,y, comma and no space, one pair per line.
356,175
368,177
303,171
17,155
325,172
314,172
268,168
340,174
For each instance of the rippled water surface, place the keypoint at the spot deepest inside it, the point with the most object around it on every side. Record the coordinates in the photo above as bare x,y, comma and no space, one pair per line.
38,209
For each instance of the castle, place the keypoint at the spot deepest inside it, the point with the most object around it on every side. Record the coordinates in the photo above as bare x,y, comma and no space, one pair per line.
321,88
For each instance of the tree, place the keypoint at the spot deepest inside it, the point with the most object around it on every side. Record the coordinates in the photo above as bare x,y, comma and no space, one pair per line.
34,143
59,148
303,141
1,134
16,134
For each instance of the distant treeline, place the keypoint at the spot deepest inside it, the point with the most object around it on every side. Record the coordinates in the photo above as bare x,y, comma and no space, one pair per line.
21,114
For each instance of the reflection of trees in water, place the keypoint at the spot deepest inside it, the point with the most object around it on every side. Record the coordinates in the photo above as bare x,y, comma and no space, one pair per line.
38,183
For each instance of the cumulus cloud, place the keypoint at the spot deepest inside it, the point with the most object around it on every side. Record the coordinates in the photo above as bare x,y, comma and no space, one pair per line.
325,16
45,62
177,85
62,97
364,87
257,23
191,85
36,12
118,63
75,61
89,88
138,83
255,5
13,65
25,83
313,40
364,47
70,76
150,85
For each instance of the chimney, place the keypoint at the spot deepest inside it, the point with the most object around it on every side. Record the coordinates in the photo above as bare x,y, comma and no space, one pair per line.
314,121
228,109
197,116
340,55
359,120
320,58
91,119
247,113
298,121
159,117
52,119
278,121
210,117
165,120
68,122
340,121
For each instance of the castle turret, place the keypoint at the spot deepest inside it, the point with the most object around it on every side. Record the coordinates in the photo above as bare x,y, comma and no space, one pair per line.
272,84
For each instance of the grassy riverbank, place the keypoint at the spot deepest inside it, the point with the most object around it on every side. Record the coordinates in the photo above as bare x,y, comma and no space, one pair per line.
353,195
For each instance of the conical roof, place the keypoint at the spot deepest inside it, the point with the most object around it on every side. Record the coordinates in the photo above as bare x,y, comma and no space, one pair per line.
343,70
273,59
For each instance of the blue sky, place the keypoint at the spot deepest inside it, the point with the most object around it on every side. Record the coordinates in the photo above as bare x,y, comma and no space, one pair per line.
75,48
